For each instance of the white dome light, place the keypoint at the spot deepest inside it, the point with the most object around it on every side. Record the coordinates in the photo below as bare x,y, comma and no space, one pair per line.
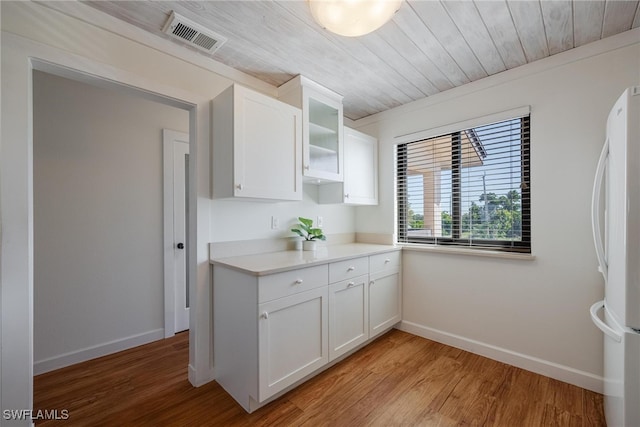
353,18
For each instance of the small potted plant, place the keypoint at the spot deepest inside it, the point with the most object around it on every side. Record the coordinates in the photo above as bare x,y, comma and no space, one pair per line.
311,235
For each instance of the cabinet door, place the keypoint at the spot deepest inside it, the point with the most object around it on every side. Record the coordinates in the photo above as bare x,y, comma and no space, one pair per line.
348,315
384,302
267,147
323,138
360,168
292,339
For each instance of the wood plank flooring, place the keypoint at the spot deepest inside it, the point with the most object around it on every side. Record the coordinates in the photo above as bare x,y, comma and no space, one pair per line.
399,379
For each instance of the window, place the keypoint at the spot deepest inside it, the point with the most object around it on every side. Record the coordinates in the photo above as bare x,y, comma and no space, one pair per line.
467,188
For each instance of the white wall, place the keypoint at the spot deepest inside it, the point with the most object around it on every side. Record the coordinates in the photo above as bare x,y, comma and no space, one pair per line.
531,313
98,233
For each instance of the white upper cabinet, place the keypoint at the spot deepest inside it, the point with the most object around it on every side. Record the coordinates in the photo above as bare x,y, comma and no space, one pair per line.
360,186
322,127
361,168
257,144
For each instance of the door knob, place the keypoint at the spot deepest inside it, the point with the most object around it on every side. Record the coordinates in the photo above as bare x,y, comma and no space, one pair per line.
180,245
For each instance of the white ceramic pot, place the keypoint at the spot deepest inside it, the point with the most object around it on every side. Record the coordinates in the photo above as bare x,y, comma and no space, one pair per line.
309,245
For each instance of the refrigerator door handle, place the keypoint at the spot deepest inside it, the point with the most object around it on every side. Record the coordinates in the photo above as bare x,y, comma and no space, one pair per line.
595,209
595,308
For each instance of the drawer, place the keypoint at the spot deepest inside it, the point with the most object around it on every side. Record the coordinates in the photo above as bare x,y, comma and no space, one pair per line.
287,283
388,261
343,270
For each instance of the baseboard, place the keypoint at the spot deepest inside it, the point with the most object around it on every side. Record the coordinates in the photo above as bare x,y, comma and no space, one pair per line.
71,358
539,366
197,382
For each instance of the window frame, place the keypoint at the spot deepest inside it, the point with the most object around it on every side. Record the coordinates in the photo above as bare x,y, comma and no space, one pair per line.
522,246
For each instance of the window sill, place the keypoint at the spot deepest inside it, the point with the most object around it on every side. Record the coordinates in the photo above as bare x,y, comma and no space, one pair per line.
464,251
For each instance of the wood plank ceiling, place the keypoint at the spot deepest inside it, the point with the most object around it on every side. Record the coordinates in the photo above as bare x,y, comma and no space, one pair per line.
428,46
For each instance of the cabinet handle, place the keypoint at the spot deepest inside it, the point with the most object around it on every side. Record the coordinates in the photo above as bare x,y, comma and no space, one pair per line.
265,315
239,186
351,268
387,260
298,282
350,284
346,196
306,167
373,282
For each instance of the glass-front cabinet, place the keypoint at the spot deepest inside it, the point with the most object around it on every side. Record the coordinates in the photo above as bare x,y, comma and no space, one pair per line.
322,129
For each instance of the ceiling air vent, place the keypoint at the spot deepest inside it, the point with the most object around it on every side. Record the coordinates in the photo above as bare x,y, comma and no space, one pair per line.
193,34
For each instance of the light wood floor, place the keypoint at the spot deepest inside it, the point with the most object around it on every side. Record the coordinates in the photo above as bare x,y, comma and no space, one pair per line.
400,379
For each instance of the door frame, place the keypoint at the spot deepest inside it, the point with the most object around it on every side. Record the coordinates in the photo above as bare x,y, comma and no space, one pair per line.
169,137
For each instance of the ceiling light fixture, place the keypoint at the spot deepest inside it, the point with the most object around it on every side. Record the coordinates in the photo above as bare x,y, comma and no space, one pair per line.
353,18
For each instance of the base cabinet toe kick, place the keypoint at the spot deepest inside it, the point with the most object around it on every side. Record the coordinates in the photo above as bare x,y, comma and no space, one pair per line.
275,331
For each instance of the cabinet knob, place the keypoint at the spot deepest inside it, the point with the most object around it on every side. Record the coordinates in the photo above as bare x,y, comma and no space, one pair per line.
350,284
306,167
298,282
346,196
265,315
239,186
387,261
373,282
351,268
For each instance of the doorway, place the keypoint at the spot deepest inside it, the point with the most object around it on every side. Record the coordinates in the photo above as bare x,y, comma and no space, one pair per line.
98,219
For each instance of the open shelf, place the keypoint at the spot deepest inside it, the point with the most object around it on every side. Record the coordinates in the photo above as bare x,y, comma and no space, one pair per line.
316,150
318,130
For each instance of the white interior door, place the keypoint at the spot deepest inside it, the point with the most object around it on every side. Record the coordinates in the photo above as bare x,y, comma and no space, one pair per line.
176,173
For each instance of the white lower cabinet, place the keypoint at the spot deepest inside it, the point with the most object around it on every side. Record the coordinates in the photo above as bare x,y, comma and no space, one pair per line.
384,302
348,315
292,336
385,292
272,331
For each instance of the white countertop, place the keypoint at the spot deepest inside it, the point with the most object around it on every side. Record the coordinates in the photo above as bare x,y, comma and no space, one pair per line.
276,262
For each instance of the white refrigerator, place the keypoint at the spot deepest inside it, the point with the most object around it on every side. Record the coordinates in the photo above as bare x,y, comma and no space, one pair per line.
616,232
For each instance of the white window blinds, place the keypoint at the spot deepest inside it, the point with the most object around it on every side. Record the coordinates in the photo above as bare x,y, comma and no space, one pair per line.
470,188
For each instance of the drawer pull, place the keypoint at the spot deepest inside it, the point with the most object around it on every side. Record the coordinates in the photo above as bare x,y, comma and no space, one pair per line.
387,261
350,284
351,268
298,282
265,315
